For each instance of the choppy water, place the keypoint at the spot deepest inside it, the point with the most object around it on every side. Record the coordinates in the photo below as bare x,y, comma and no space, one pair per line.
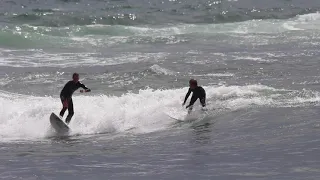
257,60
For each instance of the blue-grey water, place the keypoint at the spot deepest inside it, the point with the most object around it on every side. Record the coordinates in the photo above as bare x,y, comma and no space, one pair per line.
257,60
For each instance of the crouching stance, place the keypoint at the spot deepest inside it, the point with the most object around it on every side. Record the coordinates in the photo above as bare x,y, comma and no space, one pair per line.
197,93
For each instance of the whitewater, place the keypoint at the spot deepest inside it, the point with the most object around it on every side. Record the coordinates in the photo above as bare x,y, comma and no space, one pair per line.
26,117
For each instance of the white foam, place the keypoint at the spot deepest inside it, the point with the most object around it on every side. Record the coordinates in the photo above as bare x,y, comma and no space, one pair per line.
304,22
300,22
307,21
42,59
27,117
217,75
251,58
309,17
291,26
160,70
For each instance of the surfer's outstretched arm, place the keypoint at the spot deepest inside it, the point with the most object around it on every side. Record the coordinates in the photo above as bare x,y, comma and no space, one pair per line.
84,87
187,95
192,101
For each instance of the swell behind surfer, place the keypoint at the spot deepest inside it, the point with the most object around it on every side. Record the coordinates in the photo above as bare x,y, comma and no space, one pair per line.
66,95
197,92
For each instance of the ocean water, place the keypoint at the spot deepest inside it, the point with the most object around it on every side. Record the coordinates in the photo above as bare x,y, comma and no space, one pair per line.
257,60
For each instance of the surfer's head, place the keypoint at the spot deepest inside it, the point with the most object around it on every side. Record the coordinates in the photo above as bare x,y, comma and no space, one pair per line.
193,83
75,77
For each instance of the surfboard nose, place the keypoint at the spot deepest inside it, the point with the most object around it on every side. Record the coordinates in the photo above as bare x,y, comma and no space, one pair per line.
58,124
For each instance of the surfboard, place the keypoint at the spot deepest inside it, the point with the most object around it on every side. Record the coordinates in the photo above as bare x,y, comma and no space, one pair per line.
58,124
185,119
189,118
176,119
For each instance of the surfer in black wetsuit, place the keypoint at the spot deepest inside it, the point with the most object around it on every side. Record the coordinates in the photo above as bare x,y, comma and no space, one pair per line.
197,92
66,95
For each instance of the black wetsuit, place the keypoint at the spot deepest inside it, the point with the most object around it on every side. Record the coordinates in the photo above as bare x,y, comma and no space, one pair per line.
197,92
66,94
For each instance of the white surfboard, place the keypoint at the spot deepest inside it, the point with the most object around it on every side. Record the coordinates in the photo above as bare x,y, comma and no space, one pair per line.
58,124
189,118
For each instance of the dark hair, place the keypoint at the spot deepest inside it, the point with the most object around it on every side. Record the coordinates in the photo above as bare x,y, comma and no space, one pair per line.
75,74
193,82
